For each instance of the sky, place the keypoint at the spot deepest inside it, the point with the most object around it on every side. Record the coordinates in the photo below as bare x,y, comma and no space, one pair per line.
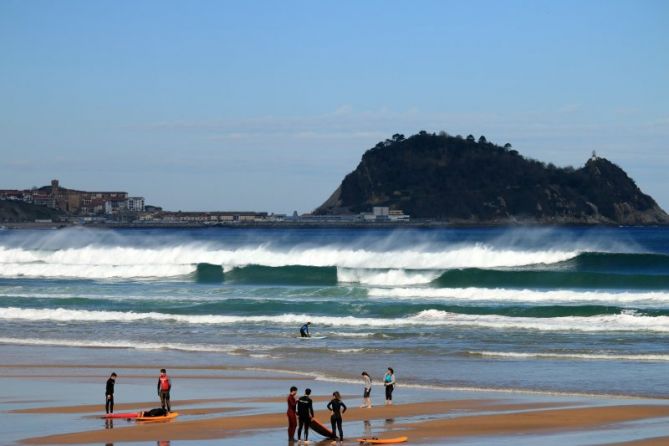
267,105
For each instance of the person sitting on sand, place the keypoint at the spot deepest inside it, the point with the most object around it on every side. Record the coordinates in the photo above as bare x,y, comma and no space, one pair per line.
292,415
304,330
164,387
336,405
366,395
389,383
109,393
305,412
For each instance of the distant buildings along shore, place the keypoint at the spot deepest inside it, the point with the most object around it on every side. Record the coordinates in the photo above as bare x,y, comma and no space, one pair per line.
76,202
108,207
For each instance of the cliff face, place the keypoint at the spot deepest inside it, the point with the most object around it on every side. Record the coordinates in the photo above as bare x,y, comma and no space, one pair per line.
464,181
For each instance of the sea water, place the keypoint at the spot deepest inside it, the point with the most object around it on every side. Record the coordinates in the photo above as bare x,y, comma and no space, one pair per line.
558,310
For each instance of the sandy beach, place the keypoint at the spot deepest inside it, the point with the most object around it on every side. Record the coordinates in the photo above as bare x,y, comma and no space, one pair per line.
425,417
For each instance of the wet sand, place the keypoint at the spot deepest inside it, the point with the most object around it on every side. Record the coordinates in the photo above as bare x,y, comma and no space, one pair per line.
533,419
483,416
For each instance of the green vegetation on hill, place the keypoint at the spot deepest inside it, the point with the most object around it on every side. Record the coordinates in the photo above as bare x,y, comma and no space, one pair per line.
439,176
20,212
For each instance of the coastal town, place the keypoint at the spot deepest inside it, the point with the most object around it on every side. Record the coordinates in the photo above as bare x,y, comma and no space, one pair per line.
78,207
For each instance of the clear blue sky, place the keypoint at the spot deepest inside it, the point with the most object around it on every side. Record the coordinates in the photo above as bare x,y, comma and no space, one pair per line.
201,105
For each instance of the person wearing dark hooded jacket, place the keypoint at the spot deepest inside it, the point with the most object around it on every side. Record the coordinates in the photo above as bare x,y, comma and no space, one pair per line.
305,412
109,393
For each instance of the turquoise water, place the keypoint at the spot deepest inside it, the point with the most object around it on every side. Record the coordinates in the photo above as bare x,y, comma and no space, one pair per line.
558,310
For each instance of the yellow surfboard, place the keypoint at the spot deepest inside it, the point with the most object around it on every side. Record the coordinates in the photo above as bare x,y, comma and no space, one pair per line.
383,440
169,416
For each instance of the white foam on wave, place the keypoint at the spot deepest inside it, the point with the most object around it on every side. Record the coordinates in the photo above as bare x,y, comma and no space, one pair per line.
348,350
522,296
627,321
121,344
393,277
100,262
94,271
583,356
352,335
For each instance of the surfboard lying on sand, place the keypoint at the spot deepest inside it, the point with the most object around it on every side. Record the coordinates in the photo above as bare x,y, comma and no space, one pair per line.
382,440
120,415
319,428
169,416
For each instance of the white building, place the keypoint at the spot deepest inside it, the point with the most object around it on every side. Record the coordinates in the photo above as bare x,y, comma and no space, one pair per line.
380,211
398,215
136,204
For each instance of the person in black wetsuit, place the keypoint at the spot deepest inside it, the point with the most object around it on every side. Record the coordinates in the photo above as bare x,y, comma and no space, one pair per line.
305,412
109,394
336,405
304,330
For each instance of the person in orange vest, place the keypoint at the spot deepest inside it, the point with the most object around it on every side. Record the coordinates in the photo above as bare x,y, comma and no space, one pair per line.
164,387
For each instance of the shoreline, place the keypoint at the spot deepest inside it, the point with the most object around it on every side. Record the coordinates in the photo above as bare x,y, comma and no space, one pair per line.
318,377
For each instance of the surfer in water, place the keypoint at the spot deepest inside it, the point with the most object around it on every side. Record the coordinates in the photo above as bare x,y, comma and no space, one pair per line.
109,393
304,330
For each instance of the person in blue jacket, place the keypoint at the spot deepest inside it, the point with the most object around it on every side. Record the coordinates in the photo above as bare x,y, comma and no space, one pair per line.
304,330
389,383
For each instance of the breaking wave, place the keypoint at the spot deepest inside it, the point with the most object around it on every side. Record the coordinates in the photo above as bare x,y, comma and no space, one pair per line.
534,297
567,356
625,321
103,262
120,344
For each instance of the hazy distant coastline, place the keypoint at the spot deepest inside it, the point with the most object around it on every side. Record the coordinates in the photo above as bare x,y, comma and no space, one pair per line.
413,224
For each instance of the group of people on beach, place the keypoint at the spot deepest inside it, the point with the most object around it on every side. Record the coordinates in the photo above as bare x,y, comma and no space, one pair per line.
301,410
388,384
164,387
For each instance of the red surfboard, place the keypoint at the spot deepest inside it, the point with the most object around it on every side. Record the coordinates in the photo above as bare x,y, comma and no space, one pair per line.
319,428
121,415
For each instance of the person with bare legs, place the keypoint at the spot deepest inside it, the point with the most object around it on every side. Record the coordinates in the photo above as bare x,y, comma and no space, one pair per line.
366,395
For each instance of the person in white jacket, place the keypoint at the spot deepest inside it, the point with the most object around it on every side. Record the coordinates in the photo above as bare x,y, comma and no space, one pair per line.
366,396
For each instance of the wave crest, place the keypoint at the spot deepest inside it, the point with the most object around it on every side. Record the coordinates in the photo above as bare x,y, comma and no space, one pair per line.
626,321
101,262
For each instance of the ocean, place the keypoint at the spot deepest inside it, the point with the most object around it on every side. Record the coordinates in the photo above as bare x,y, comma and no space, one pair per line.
557,310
